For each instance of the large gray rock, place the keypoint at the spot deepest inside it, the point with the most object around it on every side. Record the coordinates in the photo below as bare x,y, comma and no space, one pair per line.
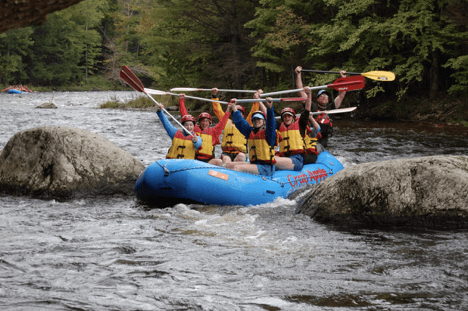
62,162
428,191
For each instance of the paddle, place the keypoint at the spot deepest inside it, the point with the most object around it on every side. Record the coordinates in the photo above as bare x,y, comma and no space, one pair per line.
374,75
342,110
335,111
191,89
288,99
249,100
156,92
131,79
341,84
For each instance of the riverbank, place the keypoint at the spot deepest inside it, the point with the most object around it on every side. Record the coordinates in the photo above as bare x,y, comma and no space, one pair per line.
444,110
94,83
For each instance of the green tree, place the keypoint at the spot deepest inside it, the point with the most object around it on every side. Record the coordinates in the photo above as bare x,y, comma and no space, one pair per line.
200,42
66,46
409,37
282,33
14,48
89,15
456,12
123,45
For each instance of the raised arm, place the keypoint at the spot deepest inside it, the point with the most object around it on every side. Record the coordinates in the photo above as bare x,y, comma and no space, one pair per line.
315,125
341,95
218,129
217,109
305,115
255,107
170,129
241,124
270,123
299,84
182,108
261,106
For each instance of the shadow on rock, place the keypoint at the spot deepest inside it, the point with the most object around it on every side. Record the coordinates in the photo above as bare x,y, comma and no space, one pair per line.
64,163
418,192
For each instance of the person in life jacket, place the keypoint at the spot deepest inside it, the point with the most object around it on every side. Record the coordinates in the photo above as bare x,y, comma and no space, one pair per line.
261,140
295,144
210,135
324,102
234,144
184,145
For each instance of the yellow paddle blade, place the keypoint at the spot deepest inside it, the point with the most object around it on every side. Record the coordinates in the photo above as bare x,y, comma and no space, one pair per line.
379,75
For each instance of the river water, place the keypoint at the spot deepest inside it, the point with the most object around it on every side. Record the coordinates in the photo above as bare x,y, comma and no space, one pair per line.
111,253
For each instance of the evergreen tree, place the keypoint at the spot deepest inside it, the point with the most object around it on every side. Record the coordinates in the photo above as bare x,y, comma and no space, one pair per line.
123,45
66,46
409,37
200,42
89,15
14,48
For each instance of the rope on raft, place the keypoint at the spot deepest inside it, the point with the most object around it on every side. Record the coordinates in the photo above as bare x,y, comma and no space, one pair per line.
167,172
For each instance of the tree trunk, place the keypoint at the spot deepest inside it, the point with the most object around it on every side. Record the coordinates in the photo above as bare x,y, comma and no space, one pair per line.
434,75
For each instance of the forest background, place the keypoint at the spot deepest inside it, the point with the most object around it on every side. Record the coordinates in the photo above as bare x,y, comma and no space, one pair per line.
251,44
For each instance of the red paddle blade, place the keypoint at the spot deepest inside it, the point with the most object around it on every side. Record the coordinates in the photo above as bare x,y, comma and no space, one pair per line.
348,83
128,76
293,99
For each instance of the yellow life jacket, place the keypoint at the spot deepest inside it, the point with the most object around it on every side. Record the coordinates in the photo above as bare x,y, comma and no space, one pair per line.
233,140
310,143
182,147
259,149
292,141
207,148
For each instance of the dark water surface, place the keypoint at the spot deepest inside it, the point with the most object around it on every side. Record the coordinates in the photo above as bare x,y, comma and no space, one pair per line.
110,253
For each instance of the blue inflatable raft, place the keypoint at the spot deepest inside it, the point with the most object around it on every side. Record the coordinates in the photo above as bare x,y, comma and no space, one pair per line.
13,91
171,181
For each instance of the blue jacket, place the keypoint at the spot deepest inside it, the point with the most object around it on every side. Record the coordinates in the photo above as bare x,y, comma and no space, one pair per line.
244,127
171,129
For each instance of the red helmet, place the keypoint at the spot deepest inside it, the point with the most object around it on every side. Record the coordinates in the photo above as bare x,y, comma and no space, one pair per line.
259,114
241,109
288,110
204,115
186,118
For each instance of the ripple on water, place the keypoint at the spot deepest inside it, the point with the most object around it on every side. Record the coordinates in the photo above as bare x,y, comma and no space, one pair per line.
112,253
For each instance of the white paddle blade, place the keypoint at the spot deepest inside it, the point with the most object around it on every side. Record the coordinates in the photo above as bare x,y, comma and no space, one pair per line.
237,91
188,89
191,89
253,100
156,92
280,92
342,110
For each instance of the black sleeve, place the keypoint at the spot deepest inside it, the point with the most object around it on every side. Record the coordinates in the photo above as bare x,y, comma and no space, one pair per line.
314,107
303,122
